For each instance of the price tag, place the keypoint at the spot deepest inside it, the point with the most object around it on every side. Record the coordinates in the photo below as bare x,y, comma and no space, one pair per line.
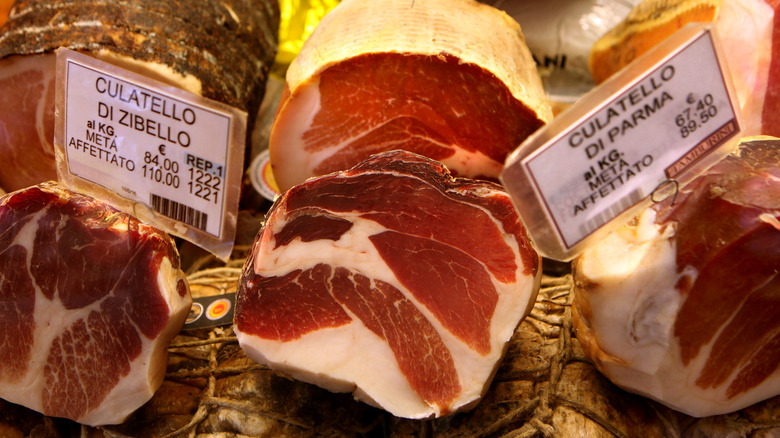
631,141
167,156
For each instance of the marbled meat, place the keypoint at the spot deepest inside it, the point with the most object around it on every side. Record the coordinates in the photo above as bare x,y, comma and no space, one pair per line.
682,305
391,280
89,300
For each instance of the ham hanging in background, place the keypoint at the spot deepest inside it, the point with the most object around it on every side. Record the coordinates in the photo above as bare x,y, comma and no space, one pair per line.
749,32
221,50
452,80
682,306
89,300
391,280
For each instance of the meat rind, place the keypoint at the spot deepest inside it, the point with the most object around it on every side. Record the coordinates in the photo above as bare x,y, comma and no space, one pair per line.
89,299
680,305
393,302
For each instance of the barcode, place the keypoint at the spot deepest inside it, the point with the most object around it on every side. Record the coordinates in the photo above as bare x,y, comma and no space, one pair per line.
601,218
180,212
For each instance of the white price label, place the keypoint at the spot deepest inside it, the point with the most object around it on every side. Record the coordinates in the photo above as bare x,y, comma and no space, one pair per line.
153,144
644,131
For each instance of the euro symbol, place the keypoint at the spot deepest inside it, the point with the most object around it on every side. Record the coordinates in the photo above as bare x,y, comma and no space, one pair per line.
161,149
690,98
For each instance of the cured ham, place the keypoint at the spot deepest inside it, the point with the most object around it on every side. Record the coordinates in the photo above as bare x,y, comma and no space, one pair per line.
747,30
391,280
27,121
452,80
89,300
682,304
221,50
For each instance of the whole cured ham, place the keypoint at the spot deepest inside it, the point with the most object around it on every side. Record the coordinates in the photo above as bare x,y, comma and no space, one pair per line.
682,305
452,80
89,300
221,50
747,29
391,280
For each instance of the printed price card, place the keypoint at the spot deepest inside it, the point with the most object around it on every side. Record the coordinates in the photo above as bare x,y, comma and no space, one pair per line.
631,141
167,156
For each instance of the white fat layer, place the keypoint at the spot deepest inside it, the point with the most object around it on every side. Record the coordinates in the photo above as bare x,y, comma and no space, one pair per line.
52,319
336,358
770,219
286,145
627,267
634,306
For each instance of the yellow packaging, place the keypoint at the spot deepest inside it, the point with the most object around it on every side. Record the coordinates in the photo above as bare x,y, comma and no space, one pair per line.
298,20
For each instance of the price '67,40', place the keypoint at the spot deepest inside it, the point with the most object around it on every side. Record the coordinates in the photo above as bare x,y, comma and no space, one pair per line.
695,116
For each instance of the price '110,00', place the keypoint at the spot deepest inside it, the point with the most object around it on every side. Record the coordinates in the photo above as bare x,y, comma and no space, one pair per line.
165,174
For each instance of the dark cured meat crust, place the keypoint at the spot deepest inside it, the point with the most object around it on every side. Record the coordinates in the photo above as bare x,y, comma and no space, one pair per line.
229,45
